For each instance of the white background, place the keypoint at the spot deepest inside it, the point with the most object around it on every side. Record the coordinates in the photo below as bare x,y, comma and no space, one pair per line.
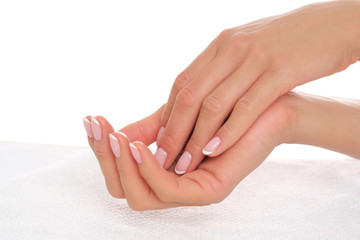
63,60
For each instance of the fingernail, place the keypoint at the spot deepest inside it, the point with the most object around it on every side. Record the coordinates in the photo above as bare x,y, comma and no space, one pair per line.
96,129
123,134
160,134
87,125
183,163
160,156
211,146
114,144
135,153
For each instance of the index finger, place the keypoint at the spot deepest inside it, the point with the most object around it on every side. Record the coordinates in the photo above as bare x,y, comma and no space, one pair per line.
186,76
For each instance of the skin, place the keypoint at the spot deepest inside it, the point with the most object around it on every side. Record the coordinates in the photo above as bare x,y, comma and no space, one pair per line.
292,118
245,69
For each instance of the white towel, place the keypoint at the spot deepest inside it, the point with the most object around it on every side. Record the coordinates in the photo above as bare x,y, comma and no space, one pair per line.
49,192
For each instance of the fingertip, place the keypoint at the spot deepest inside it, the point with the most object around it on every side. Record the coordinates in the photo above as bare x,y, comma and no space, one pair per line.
135,153
211,146
96,128
88,128
144,157
159,135
178,172
124,135
183,163
93,119
206,152
114,145
161,156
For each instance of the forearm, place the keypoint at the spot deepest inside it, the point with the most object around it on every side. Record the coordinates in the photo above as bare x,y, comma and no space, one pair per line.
329,123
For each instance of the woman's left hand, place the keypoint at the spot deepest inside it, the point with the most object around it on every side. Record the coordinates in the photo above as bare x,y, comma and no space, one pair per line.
134,173
245,69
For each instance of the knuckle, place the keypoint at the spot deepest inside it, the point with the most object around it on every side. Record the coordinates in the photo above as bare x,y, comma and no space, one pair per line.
113,191
181,80
219,198
165,117
212,105
240,40
100,154
115,194
165,196
169,140
195,143
281,63
226,33
143,130
258,52
186,97
244,106
136,205
227,130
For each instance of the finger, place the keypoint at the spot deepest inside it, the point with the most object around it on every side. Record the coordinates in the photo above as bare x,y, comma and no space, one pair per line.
196,188
216,177
268,131
186,76
138,194
88,129
188,103
101,129
264,92
144,130
215,109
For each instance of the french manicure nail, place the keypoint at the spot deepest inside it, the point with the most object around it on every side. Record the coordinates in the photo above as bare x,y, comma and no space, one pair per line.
183,163
135,153
211,146
96,129
123,134
87,125
160,134
114,144
161,156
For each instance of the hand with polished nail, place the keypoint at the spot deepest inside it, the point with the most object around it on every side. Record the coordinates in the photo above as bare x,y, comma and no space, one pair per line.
131,170
215,100
105,144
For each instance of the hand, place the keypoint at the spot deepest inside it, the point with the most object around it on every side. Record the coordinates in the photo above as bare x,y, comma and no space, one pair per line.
98,130
135,174
293,118
245,69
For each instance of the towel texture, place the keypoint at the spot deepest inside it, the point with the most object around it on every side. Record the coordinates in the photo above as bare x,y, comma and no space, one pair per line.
49,192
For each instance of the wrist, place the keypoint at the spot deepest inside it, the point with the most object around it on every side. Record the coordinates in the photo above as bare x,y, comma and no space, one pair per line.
324,122
353,28
293,104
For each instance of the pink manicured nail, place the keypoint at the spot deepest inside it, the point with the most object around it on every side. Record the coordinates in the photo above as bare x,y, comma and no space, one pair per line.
123,134
183,163
161,156
135,153
160,134
114,144
211,146
87,125
96,129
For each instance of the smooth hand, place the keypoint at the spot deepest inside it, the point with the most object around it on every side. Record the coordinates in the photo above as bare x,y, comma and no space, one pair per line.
240,74
132,172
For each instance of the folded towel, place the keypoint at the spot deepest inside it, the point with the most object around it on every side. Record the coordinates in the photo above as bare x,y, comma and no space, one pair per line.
49,192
